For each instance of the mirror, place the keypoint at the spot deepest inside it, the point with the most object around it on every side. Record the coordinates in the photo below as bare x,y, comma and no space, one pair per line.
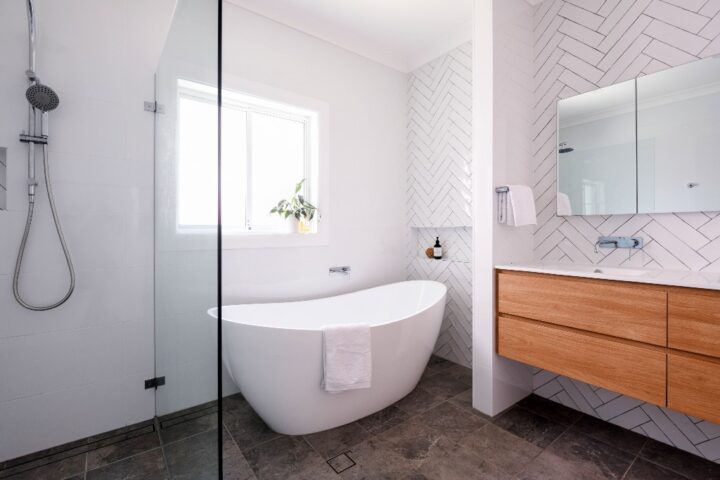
650,145
596,152
678,112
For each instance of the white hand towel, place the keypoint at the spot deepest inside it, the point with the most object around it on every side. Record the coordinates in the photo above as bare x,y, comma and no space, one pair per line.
521,206
564,207
347,359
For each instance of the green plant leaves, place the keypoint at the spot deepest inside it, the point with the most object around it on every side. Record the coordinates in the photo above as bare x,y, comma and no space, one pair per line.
296,206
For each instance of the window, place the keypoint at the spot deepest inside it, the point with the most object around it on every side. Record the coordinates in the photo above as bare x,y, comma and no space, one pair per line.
268,146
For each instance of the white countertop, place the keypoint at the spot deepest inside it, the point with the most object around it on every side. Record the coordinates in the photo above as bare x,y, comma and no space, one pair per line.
675,278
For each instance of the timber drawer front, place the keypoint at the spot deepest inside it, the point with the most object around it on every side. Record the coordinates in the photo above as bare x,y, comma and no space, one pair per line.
694,386
634,312
694,322
656,343
633,369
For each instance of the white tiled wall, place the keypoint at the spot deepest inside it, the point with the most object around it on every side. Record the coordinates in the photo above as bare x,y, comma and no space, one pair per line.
79,370
439,189
581,46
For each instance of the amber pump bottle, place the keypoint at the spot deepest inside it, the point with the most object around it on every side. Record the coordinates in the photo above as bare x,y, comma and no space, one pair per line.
437,249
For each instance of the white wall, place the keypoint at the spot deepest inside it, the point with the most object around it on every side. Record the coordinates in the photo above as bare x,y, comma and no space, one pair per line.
367,103
79,370
502,105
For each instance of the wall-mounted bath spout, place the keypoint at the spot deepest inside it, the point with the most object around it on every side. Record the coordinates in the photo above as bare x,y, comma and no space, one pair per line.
565,149
340,270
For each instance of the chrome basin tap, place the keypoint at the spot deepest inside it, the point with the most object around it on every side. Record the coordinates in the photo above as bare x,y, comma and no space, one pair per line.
618,242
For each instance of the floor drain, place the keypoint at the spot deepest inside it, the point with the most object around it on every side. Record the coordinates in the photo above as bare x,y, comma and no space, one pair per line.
341,463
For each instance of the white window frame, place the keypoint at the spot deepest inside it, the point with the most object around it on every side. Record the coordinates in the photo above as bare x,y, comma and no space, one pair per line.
316,162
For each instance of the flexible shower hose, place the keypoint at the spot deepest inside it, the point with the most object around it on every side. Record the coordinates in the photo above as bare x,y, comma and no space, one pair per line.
61,237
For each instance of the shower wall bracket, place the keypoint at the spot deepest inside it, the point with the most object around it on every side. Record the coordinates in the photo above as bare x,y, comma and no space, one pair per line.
3,178
154,383
39,139
154,107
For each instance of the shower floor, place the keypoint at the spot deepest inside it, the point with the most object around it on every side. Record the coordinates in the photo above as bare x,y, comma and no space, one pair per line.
433,433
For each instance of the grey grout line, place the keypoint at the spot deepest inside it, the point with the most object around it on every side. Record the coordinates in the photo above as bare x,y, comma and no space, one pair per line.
665,467
237,445
568,427
123,459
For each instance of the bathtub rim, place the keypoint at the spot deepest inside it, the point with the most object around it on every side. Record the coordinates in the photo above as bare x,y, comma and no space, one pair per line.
212,312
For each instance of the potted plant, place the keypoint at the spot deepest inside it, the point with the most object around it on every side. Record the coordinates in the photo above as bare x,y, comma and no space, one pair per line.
296,210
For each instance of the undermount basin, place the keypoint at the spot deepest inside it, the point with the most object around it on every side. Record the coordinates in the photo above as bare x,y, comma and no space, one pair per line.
597,269
631,272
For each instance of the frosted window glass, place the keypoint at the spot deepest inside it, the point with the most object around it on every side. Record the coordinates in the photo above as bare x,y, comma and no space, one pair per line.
265,153
278,163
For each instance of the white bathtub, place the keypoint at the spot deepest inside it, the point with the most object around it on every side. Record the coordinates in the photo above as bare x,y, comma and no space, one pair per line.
273,352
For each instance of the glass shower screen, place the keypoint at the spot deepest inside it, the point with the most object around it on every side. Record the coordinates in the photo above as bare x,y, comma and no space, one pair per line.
187,254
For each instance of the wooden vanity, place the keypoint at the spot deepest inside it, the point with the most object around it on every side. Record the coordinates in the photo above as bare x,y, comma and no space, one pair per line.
656,343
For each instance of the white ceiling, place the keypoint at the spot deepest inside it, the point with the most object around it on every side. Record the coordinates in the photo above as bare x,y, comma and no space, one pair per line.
402,34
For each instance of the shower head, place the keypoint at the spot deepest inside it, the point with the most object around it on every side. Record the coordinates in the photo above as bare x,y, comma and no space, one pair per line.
42,97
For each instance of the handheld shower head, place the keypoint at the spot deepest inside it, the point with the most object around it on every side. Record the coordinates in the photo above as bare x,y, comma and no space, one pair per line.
42,97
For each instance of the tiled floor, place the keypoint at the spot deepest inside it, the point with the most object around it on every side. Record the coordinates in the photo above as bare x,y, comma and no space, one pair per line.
433,433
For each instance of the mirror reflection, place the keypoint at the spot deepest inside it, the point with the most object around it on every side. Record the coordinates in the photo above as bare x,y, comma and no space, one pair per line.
649,145
596,152
679,139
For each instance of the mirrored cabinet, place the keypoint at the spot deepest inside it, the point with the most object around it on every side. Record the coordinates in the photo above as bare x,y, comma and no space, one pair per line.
649,145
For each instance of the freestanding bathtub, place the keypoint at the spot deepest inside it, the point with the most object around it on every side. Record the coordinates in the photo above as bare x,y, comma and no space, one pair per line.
273,352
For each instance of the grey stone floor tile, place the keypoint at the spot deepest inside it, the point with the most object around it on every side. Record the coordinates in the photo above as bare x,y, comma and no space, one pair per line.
186,427
436,365
60,469
443,386
530,426
454,422
235,465
550,410
376,462
331,443
123,449
418,401
145,466
412,440
509,452
245,426
383,420
287,458
460,373
575,456
462,463
464,401
613,435
194,457
678,461
644,470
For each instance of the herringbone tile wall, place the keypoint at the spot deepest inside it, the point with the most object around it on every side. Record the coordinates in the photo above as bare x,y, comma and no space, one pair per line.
582,45
439,189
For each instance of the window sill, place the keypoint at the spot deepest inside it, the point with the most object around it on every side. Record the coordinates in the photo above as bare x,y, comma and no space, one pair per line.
237,241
